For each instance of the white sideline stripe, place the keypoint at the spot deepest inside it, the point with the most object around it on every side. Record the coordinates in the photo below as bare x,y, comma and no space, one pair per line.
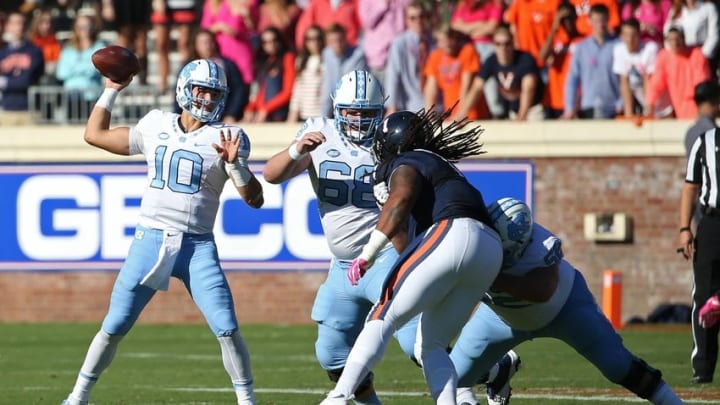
313,391
319,392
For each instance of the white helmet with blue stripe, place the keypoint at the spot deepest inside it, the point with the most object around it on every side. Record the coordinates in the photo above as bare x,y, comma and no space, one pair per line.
206,74
513,220
358,90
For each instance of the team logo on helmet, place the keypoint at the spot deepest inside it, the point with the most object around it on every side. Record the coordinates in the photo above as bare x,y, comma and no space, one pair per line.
513,220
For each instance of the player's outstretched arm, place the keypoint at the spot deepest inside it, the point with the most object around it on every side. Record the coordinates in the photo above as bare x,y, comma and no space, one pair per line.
292,161
97,129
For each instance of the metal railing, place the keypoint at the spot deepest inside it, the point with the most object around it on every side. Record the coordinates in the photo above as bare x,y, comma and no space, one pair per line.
49,104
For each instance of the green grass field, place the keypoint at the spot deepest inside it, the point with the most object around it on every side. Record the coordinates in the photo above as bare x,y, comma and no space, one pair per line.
180,364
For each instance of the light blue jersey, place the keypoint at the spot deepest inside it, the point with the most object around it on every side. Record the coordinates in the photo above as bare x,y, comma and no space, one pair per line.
570,315
177,213
341,175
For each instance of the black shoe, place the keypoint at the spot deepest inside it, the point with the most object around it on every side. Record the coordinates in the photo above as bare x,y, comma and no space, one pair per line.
698,379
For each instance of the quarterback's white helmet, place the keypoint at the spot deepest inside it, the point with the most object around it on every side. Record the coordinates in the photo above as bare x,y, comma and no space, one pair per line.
203,73
513,220
358,90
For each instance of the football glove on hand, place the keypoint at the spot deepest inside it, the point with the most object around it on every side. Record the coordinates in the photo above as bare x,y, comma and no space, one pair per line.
358,268
381,193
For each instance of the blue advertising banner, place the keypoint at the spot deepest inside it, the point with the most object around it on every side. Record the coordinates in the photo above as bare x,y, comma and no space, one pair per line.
59,217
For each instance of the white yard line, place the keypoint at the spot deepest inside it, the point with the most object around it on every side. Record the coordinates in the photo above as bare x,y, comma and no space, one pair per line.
313,391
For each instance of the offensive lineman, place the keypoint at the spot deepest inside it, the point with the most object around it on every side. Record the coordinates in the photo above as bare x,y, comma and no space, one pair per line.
557,304
336,154
190,157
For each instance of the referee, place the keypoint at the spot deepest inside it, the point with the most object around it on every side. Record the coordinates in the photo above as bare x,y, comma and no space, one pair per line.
702,184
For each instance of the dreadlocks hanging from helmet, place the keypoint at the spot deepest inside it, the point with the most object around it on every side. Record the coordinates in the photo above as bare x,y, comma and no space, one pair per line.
427,130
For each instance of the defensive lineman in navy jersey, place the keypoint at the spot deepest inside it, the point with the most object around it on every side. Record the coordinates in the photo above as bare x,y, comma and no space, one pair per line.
190,158
449,260
540,294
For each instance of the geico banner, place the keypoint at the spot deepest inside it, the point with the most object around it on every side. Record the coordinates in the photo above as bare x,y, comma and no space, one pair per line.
82,216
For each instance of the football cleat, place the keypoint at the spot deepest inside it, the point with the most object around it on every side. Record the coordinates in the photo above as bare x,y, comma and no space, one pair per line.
334,398
72,402
466,396
499,390
710,312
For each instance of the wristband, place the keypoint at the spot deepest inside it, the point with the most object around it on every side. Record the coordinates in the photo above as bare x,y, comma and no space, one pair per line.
238,172
685,228
107,99
294,154
377,241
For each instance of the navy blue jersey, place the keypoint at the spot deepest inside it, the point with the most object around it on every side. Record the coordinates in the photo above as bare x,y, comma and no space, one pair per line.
445,192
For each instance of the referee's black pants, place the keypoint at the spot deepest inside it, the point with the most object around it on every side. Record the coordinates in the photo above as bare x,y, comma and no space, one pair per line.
706,272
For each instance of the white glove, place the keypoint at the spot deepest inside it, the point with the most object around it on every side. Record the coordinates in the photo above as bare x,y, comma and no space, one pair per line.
381,193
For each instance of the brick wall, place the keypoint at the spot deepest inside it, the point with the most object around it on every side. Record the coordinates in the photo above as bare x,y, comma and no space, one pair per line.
646,188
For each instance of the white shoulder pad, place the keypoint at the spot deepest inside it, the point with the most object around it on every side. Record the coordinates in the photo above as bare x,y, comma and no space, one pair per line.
545,249
313,124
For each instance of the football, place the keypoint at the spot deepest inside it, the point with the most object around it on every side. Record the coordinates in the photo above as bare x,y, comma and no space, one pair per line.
116,63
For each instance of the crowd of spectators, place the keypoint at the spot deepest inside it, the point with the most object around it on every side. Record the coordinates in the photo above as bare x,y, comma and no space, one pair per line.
493,59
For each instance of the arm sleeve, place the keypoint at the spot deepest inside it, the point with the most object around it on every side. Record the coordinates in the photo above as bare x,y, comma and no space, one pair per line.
283,97
572,80
694,165
392,74
657,83
371,12
136,142
207,18
710,45
618,64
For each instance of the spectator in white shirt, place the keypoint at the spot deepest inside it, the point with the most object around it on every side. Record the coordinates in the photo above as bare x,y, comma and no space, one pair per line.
698,20
633,62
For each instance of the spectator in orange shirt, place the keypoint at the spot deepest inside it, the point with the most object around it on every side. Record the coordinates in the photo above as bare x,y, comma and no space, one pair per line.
677,70
530,22
450,69
556,54
275,77
582,9
327,12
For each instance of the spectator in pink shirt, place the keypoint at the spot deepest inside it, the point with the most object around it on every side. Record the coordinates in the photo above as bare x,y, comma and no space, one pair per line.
651,14
678,69
478,19
381,21
232,22
327,12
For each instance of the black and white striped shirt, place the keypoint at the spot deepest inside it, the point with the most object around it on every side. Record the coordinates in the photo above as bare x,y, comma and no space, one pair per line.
702,167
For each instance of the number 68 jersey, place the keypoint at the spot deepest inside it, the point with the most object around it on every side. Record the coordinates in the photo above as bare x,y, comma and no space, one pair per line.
341,175
185,174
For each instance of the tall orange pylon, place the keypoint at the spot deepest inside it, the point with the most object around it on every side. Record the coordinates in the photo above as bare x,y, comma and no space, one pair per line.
612,297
